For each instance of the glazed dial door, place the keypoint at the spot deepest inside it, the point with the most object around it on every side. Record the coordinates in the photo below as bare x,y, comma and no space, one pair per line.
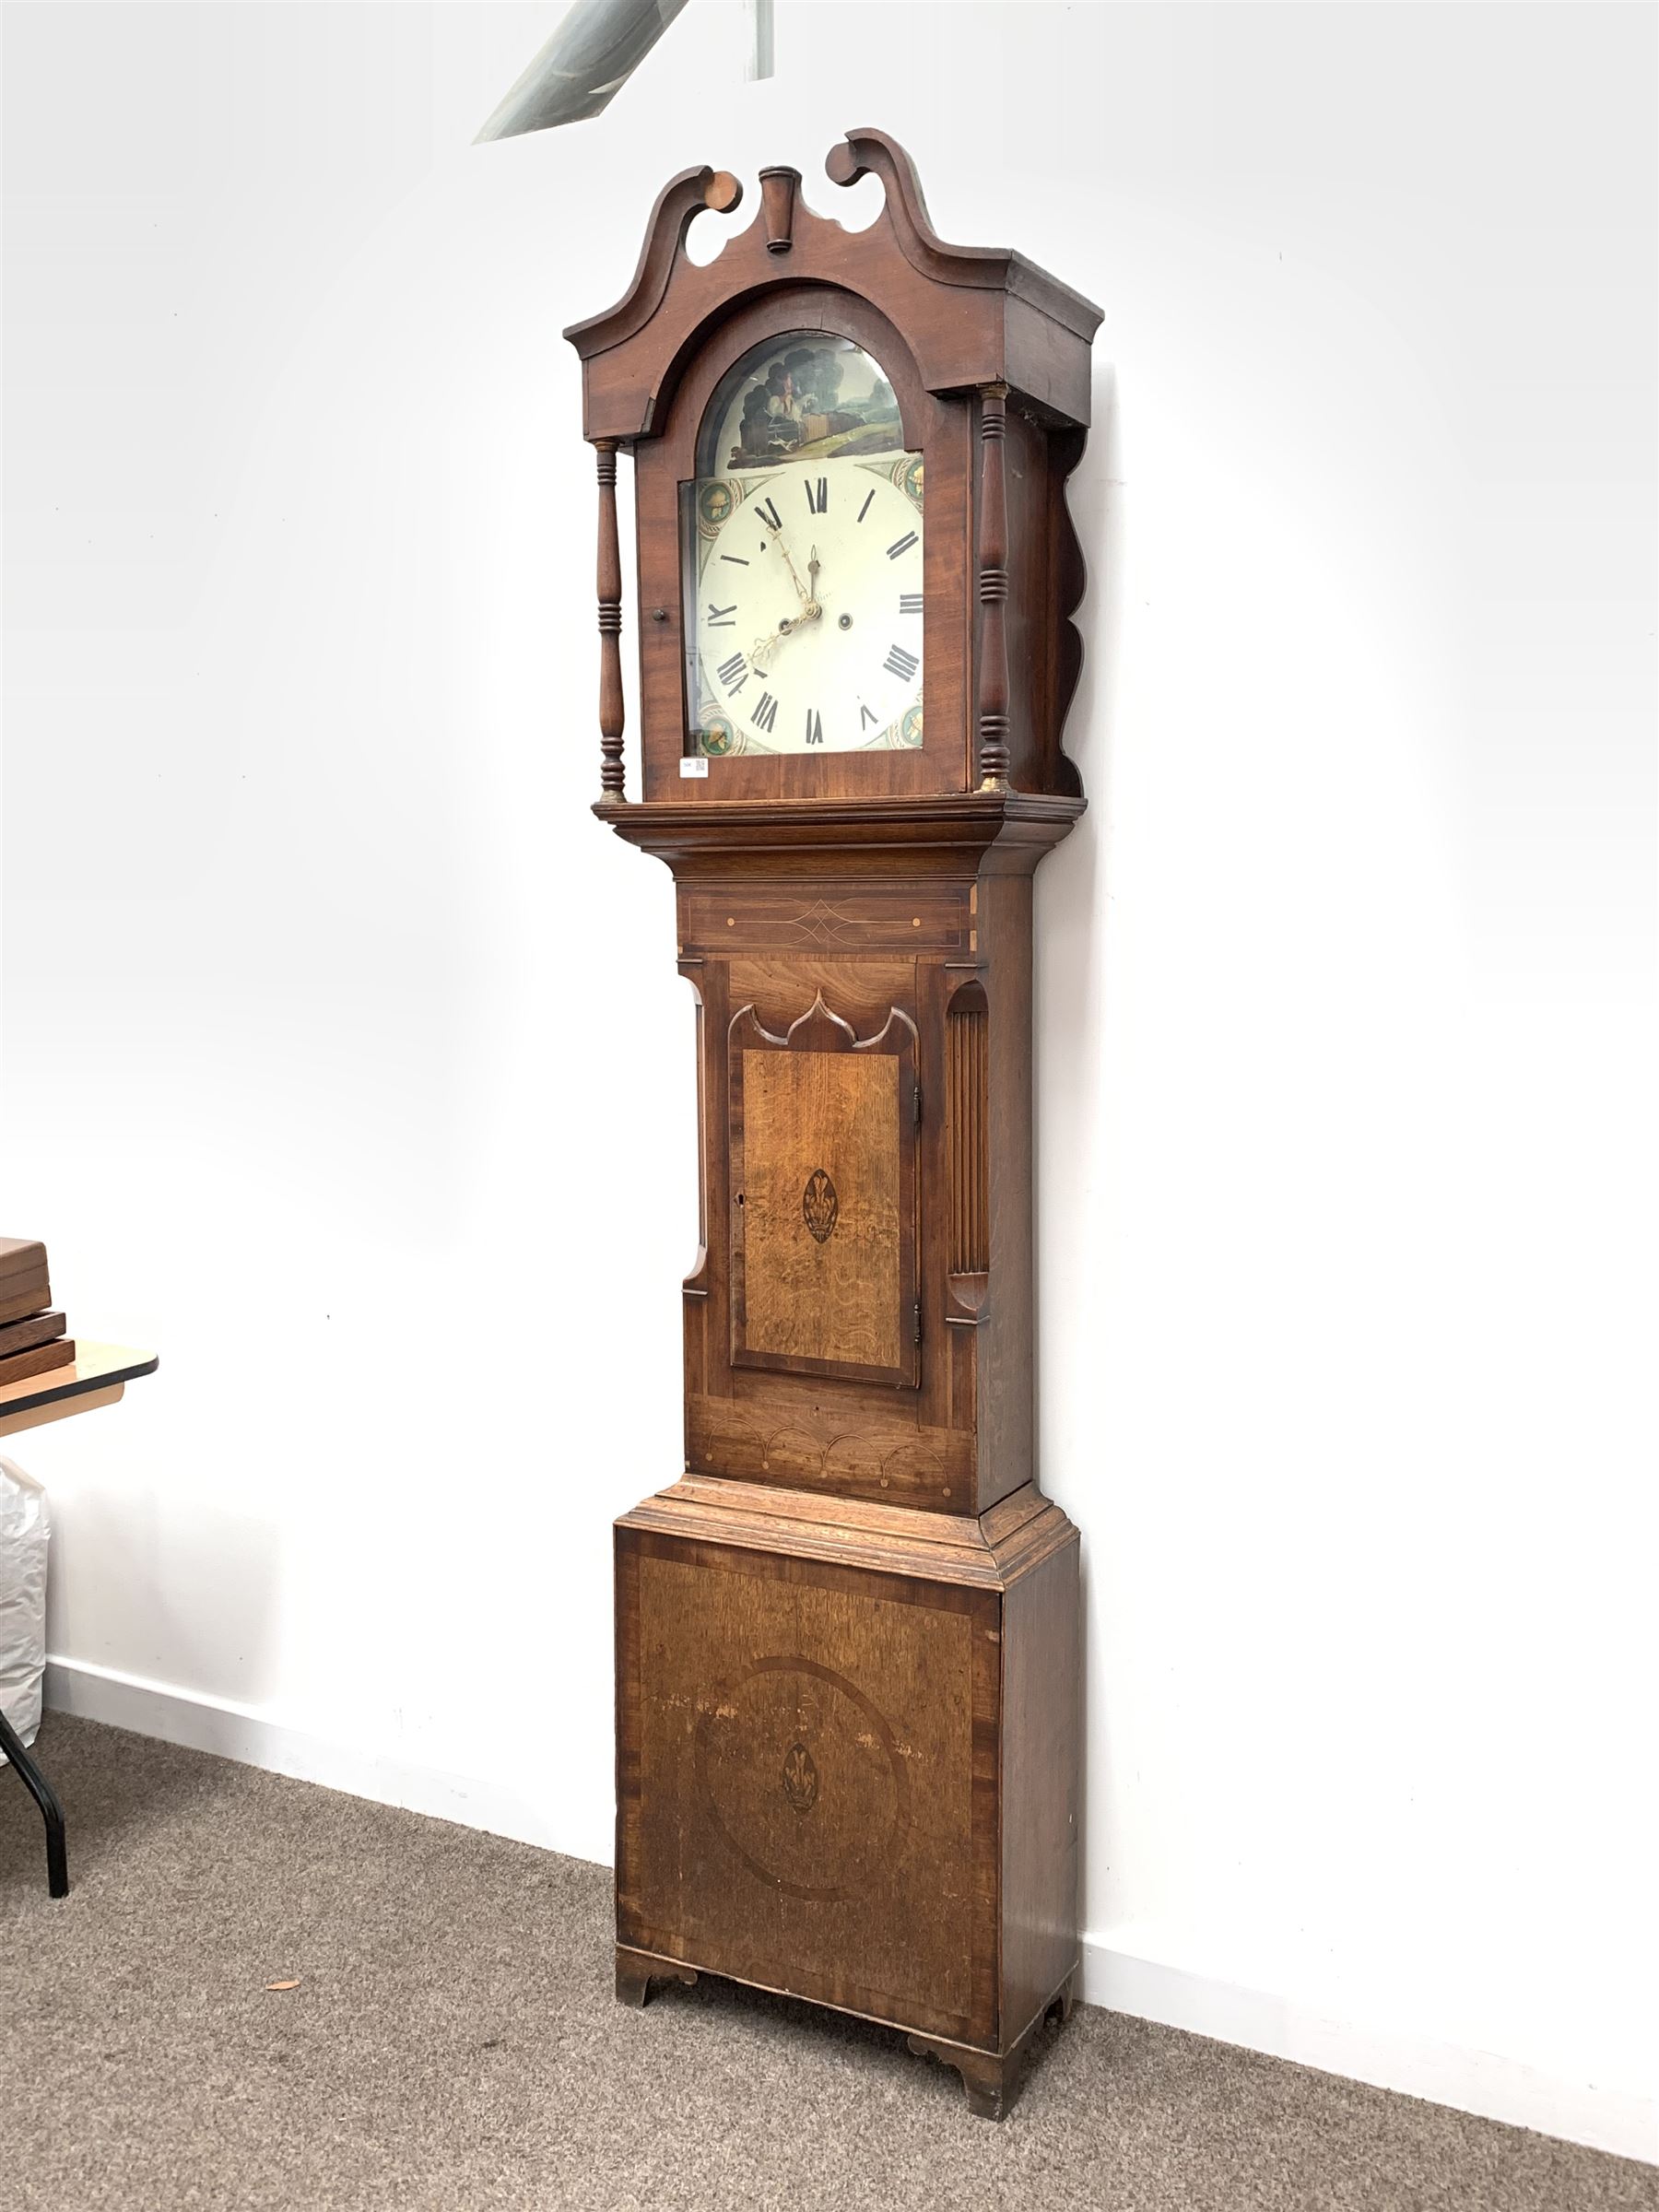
802,560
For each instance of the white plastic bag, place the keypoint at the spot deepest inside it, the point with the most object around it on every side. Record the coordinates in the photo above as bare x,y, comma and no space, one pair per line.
25,1530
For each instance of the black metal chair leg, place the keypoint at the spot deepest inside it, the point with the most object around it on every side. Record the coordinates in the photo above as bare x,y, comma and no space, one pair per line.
45,1797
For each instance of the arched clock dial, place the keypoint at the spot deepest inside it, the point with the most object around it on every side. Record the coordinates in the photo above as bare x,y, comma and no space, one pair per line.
804,607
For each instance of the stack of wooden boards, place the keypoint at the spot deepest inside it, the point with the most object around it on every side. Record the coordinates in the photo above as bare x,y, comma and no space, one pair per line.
31,1336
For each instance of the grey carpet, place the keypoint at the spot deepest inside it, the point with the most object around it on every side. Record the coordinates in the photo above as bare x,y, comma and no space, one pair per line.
454,2043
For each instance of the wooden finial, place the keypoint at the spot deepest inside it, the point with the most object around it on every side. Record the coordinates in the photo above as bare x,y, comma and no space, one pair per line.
610,626
778,190
993,591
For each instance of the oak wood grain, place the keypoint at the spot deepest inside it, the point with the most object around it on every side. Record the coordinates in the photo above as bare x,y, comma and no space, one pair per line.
743,916
861,990
773,1429
948,1547
822,1139
806,1808
1042,1753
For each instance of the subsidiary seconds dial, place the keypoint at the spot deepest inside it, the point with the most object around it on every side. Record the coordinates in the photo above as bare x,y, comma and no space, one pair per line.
804,618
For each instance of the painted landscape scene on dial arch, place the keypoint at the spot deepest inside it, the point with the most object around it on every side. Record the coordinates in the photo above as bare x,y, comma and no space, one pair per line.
805,397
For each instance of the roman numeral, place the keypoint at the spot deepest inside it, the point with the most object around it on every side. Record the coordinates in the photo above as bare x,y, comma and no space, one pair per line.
722,618
818,503
769,515
734,674
737,559
910,602
865,715
766,714
902,544
815,728
901,662
865,508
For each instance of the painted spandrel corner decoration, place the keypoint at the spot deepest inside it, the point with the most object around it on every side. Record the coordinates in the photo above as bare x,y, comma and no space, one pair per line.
848,1626
803,557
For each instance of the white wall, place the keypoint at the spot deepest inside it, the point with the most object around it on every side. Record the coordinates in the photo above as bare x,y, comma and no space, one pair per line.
1347,997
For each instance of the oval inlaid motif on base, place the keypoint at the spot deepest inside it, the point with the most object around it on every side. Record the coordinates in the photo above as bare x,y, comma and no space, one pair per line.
800,1778
820,1205
800,1775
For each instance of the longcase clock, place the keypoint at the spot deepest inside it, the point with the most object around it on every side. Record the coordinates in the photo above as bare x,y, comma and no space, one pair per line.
847,1637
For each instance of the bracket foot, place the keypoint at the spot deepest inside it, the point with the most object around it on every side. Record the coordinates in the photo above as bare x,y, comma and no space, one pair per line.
636,1971
991,2078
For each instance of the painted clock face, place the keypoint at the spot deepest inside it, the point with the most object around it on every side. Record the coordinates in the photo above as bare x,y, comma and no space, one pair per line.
802,559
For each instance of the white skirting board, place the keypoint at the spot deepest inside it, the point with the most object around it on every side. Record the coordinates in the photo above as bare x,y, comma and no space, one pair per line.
1472,2081
1417,2066
244,1733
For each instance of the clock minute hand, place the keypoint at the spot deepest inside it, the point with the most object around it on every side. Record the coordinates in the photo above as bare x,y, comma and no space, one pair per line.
794,572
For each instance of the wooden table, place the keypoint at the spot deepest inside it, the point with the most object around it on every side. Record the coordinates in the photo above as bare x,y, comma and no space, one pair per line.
97,1377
